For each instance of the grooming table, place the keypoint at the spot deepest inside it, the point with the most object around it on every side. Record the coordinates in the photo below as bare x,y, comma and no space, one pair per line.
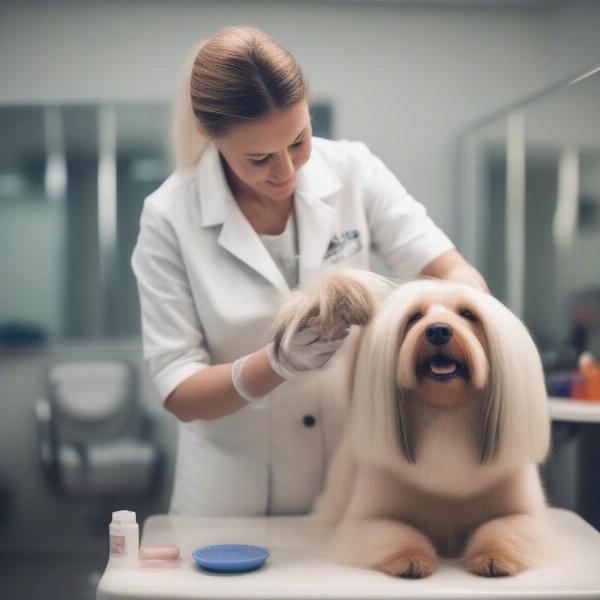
297,570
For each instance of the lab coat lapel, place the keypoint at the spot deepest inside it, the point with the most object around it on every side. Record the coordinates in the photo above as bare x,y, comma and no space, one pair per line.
237,236
316,219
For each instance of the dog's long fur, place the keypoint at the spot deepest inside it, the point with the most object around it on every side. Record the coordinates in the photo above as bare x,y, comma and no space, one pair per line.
427,467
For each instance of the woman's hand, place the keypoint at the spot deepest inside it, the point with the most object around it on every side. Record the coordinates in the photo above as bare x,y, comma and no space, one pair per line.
309,348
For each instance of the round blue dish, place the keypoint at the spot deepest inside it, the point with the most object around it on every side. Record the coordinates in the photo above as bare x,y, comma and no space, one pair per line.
230,558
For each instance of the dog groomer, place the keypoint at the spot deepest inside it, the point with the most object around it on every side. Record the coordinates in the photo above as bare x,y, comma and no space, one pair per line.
256,207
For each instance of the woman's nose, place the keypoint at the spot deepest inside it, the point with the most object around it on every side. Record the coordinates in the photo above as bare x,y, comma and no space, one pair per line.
284,167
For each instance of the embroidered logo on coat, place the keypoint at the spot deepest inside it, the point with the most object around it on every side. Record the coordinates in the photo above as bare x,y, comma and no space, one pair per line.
343,246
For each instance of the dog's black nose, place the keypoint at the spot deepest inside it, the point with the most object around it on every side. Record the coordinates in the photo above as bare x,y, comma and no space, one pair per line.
439,334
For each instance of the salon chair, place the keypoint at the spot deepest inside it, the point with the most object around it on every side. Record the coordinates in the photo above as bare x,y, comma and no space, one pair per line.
95,436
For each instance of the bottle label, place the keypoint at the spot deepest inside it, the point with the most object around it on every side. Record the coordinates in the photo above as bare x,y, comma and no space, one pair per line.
117,545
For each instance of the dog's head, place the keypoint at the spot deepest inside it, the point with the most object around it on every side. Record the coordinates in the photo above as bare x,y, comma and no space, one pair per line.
446,345
443,350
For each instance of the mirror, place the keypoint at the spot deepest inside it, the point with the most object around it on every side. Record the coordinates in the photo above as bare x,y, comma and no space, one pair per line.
73,179
530,206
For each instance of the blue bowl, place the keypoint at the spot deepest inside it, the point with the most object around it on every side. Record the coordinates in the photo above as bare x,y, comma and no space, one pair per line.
230,558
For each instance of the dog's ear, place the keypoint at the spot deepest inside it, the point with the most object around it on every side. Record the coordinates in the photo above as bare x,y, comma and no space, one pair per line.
402,426
380,429
349,295
515,415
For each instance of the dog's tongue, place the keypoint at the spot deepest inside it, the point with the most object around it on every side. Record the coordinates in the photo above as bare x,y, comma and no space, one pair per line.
442,366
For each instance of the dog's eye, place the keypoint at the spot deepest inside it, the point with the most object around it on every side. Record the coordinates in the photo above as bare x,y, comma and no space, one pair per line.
414,318
465,313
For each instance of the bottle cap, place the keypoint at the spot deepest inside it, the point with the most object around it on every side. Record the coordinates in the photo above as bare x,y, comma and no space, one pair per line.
586,358
121,517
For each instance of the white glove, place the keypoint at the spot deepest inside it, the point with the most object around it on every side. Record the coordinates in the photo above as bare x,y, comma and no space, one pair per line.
309,348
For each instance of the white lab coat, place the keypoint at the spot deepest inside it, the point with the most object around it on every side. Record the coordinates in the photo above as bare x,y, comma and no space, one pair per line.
209,290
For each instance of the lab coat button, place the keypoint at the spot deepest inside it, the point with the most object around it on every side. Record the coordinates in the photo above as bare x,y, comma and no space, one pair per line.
309,420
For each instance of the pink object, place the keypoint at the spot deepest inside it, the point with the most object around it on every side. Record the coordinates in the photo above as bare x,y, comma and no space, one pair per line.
153,552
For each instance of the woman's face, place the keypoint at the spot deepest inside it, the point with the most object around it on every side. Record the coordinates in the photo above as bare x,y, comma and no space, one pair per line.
265,155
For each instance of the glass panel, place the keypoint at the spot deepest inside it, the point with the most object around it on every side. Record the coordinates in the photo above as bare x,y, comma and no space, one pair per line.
321,114
57,280
483,202
83,299
31,232
563,208
142,165
72,184
561,228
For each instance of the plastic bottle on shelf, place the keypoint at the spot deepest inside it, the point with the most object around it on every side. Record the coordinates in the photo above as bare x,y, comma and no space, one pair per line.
588,385
124,539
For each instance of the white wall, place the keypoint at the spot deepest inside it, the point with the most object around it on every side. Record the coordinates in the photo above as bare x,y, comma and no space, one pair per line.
573,36
404,78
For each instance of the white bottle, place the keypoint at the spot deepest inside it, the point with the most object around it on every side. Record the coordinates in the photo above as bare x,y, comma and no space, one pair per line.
124,539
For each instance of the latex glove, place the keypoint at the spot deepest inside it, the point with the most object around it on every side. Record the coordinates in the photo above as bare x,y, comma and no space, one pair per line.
309,348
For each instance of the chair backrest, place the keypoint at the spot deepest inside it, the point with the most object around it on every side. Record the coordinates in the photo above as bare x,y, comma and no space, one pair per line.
91,400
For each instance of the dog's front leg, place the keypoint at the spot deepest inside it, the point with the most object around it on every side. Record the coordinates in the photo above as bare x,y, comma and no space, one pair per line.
386,545
332,503
508,545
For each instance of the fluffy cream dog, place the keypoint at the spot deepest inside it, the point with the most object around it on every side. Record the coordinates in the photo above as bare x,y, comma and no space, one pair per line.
446,420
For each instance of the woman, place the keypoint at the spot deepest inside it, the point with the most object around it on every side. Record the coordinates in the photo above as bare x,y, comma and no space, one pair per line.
256,207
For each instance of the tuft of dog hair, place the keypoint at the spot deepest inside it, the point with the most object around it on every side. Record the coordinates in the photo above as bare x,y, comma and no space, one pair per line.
348,297
441,437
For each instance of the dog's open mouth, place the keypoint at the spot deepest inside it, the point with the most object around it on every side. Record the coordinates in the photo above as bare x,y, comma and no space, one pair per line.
442,367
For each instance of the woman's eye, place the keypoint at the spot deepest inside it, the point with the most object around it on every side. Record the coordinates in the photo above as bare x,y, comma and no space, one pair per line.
465,313
261,161
414,318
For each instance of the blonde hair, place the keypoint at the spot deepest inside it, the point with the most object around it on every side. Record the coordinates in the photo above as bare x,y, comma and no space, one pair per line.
238,75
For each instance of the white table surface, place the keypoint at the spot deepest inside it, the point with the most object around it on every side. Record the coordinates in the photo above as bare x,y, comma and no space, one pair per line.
296,569
577,411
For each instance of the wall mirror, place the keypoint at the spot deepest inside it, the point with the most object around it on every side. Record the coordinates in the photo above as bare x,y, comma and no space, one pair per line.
73,179
530,212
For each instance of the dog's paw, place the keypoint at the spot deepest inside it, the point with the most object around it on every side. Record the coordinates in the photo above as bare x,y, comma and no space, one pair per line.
409,563
494,560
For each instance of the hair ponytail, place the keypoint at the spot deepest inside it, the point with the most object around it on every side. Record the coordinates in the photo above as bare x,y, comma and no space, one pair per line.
187,143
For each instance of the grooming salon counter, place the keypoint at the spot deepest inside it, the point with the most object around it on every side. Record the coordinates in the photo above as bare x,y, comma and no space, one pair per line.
296,568
574,411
